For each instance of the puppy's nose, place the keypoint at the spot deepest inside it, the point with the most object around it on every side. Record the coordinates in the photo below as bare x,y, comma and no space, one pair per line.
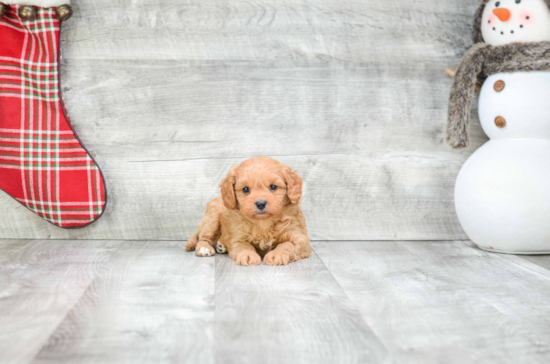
261,204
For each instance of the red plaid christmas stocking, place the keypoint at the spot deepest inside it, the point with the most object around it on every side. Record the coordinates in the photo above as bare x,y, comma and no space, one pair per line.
43,164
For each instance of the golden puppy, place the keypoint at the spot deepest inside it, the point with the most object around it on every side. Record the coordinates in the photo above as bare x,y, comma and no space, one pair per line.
258,215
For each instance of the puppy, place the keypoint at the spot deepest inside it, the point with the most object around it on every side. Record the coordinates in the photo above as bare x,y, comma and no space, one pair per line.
257,216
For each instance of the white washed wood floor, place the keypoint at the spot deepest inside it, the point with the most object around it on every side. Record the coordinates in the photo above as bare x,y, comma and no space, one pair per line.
351,302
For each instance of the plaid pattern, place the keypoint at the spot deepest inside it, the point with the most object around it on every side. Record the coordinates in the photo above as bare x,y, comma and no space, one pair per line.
42,163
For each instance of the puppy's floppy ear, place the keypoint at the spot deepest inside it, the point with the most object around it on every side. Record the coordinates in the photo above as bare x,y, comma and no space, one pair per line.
294,185
228,190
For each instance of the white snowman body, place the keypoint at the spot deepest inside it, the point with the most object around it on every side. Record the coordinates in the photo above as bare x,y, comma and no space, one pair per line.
502,194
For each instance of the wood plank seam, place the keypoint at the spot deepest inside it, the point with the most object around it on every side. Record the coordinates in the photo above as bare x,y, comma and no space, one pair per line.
75,303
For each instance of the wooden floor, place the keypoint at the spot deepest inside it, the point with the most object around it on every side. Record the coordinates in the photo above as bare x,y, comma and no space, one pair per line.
351,302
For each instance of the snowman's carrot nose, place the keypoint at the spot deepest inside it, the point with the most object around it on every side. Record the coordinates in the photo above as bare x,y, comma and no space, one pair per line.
503,14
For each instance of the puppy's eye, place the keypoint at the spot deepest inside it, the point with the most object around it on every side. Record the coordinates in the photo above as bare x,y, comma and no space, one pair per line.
273,188
246,190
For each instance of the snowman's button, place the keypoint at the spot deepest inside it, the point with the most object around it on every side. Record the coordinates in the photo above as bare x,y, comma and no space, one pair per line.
500,122
499,85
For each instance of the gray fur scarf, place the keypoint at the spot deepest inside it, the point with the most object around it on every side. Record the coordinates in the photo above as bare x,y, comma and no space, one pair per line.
481,61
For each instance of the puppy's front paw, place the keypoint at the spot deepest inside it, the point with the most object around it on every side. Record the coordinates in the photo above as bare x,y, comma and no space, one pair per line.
248,258
220,248
192,243
204,249
278,257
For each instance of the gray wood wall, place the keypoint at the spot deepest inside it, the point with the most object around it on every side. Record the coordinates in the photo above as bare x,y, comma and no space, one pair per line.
352,93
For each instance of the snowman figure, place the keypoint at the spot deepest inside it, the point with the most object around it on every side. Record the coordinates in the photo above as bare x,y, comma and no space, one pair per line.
502,193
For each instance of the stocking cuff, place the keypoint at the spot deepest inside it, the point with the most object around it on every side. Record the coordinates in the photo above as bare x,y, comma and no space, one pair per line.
39,3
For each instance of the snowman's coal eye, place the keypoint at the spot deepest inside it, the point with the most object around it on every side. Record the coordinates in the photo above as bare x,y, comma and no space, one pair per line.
497,4
518,1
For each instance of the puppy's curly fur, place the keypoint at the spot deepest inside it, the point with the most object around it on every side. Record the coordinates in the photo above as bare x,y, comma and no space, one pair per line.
234,221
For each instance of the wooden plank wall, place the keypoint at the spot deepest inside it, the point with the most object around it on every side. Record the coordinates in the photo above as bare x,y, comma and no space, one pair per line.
168,94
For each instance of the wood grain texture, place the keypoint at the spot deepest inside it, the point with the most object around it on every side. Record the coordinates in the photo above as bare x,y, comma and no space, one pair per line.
40,281
152,304
353,94
351,302
291,314
540,260
444,302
